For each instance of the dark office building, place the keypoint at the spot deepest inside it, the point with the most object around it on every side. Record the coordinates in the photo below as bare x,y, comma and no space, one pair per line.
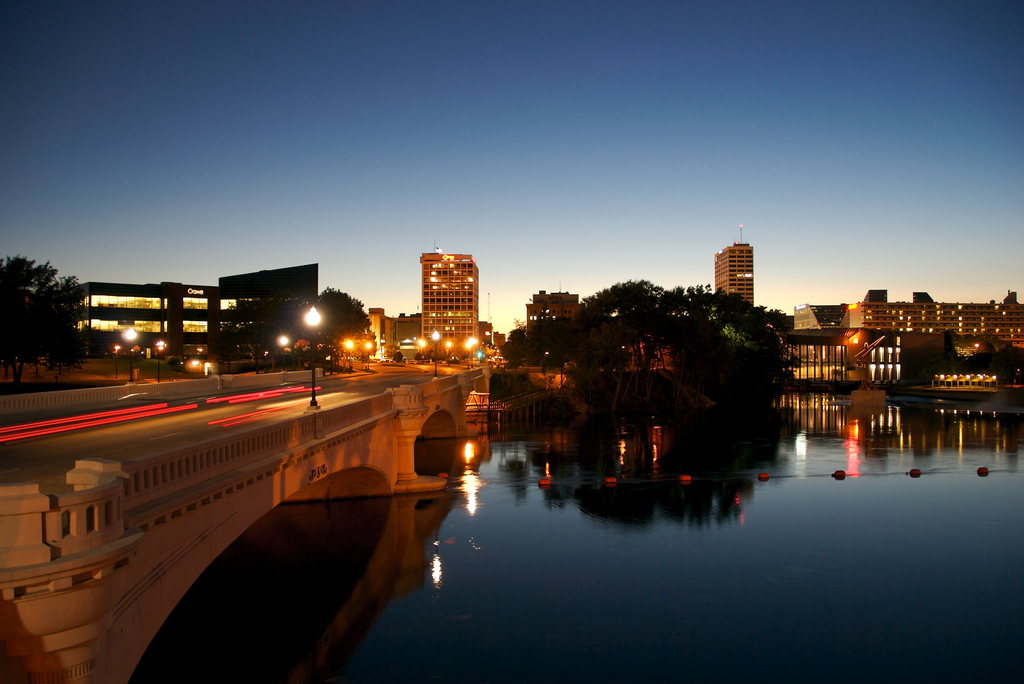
298,282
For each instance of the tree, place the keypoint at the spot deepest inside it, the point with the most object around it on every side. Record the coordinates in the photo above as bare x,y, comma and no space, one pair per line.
515,347
41,312
342,318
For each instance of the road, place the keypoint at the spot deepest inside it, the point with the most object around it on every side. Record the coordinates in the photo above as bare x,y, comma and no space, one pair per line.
45,459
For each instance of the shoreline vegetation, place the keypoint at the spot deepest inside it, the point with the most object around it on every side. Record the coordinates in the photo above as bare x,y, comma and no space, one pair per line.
638,346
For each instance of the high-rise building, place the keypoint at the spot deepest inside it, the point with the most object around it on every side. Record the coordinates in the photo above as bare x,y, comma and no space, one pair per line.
734,270
450,295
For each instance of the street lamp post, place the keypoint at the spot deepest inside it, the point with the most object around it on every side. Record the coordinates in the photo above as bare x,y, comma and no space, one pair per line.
313,319
117,348
436,336
159,352
129,337
283,341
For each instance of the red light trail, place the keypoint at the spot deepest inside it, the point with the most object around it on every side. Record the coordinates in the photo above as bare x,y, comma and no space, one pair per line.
249,417
254,396
57,425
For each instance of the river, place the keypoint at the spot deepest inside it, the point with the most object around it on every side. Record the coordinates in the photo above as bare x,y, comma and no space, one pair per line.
763,565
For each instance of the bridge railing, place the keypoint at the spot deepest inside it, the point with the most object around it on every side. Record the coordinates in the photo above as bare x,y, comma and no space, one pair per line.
86,519
158,475
337,418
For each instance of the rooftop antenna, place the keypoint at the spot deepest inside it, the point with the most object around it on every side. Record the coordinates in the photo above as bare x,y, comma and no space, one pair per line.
741,233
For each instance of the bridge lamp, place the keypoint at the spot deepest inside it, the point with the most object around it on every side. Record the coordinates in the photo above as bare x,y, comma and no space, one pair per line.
159,352
129,337
436,336
313,320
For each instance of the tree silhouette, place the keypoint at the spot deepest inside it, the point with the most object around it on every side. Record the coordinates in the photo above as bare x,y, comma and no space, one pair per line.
41,313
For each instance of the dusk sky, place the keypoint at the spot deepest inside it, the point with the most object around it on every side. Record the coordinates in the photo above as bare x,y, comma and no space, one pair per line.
567,146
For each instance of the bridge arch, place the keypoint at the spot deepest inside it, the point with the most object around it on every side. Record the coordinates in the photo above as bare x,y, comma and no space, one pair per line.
439,425
350,483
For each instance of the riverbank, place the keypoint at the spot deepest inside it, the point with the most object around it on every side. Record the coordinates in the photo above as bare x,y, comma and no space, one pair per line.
1005,400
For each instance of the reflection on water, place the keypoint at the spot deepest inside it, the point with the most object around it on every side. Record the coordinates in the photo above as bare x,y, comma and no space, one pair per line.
801,576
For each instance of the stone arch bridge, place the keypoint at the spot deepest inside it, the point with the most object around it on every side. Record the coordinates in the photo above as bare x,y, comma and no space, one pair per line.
88,577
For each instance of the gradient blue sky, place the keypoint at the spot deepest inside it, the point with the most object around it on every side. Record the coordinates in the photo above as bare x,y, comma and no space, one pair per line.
566,145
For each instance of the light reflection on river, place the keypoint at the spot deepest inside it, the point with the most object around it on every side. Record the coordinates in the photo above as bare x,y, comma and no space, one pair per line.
801,577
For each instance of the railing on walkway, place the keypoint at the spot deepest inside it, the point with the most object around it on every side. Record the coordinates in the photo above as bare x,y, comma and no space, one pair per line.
509,408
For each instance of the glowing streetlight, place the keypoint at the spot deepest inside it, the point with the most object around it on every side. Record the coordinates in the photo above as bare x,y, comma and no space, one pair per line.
282,341
159,352
436,336
129,337
117,348
313,320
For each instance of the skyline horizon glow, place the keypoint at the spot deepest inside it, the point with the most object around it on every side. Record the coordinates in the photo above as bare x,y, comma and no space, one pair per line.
567,146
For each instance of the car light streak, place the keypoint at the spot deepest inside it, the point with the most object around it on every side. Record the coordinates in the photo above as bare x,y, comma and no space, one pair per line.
73,419
249,417
254,396
50,427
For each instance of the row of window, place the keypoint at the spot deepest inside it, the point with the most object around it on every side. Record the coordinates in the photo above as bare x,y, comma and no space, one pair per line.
155,303
145,326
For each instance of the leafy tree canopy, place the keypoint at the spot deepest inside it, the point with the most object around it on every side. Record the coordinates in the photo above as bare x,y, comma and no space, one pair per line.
41,312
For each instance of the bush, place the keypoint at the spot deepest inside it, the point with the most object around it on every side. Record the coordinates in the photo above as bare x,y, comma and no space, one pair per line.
173,361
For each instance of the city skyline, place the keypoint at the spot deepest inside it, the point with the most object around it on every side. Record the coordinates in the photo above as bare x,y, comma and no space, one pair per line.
566,146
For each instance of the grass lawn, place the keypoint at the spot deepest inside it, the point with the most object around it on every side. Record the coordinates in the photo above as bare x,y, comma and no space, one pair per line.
93,373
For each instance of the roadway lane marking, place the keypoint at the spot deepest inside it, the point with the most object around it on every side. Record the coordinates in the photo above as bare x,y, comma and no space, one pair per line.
166,436
12,470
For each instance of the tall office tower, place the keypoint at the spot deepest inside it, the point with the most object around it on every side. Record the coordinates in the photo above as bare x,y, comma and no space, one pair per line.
734,270
451,296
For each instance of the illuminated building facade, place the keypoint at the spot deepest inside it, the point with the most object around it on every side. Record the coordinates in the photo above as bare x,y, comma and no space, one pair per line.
450,296
830,355
551,305
180,315
734,271
1004,320
186,318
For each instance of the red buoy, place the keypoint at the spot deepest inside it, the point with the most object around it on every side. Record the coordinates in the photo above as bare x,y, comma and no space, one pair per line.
914,472
839,474
685,479
763,477
983,471
544,482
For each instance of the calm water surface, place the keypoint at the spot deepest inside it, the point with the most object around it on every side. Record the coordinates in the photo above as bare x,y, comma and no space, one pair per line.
801,577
